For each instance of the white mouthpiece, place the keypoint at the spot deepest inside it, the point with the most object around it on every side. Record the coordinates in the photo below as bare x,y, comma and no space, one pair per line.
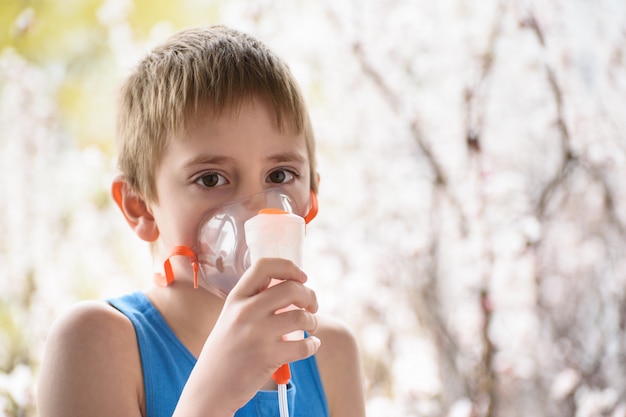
275,234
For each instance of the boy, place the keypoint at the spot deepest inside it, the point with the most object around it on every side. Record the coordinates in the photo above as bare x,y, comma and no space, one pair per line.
209,118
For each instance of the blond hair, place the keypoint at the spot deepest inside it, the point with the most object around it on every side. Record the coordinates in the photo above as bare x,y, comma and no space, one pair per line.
215,66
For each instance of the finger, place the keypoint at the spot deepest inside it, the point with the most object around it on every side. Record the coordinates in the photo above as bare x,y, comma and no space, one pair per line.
295,320
259,276
292,351
289,293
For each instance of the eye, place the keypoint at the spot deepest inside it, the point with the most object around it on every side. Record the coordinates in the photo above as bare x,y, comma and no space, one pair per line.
281,176
211,180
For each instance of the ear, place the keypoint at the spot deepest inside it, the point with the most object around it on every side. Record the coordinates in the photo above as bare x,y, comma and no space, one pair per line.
134,209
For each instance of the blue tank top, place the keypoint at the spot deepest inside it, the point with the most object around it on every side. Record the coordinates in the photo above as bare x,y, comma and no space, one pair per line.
167,364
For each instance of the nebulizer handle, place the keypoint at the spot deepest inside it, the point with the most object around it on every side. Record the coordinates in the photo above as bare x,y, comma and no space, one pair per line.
277,234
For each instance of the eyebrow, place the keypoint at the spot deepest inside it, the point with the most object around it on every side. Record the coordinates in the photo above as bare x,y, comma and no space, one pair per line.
203,159
287,157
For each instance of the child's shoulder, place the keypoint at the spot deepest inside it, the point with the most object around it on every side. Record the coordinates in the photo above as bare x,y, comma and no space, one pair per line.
93,332
90,339
334,335
92,322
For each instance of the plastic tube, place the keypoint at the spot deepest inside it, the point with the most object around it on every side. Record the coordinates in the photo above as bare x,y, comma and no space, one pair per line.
283,407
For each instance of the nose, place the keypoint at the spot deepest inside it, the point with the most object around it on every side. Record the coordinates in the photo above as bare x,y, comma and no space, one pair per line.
250,190
268,198
256,202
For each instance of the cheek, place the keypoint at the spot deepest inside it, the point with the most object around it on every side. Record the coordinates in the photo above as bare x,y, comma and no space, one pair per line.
177,216
177,226
303,201
303,196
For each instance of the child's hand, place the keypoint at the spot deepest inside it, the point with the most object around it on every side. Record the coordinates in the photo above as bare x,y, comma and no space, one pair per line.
246,344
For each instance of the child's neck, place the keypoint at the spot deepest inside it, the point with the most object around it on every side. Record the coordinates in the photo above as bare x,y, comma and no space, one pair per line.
191,313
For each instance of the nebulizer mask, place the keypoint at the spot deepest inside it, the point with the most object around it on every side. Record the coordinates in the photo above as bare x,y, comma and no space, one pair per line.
221,253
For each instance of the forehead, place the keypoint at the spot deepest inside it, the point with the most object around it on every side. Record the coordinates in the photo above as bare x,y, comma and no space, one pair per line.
282,119
250,126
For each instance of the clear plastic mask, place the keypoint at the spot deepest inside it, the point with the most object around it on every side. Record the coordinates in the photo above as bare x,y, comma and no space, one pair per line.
221,250
220,255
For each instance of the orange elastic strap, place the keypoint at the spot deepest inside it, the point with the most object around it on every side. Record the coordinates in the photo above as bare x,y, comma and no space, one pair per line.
167,265
314,209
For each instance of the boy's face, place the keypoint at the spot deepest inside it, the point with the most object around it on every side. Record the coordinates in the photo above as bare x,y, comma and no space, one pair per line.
220,160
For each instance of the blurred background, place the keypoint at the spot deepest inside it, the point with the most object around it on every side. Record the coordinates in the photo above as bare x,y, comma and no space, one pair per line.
472,229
